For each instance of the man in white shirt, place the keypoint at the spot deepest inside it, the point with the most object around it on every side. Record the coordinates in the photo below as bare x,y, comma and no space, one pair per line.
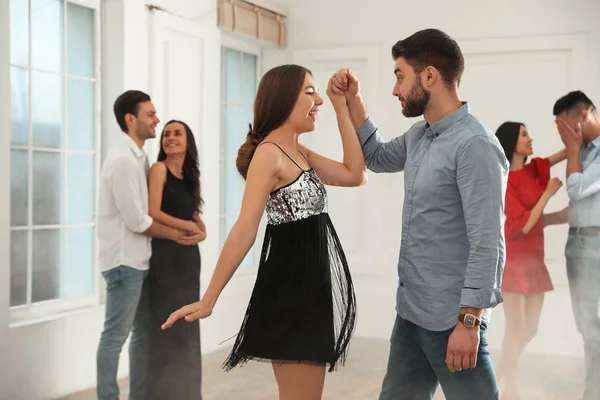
124,230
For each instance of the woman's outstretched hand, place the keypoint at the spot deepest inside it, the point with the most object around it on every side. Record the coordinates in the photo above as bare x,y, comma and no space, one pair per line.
192,312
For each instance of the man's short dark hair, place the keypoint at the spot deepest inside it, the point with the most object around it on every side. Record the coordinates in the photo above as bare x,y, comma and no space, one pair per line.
572,101
128,103
432,47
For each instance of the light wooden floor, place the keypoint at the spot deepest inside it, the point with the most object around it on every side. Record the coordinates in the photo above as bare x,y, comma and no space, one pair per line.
542,377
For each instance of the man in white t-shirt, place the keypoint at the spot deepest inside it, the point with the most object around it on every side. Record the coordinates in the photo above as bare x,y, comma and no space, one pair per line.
124,230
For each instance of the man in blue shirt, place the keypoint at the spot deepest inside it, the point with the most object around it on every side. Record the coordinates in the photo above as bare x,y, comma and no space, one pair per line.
452,252
579,127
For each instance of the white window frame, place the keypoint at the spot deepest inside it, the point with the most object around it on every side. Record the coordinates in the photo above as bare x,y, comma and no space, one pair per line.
234,42
31,313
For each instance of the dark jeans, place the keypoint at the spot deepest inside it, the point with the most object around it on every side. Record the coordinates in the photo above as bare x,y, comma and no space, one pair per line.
417,365
583,271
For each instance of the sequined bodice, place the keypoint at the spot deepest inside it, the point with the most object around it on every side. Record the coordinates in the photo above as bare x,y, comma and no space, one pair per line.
303,198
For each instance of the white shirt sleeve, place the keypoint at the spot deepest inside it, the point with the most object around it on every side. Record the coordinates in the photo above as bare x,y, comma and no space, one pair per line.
126,183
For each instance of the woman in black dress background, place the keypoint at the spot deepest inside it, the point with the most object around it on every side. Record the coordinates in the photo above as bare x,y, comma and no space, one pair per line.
302,312
175,363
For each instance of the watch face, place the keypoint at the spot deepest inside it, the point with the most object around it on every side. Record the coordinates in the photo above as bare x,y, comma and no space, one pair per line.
469,320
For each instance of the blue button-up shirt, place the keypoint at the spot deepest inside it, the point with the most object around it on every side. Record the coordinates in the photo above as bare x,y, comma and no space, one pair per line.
452,252
584,188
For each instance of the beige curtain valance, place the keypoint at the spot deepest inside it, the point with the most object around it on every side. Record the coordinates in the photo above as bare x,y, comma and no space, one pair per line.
246,18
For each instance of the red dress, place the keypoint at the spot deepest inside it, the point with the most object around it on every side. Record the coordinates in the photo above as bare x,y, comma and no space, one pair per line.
525,271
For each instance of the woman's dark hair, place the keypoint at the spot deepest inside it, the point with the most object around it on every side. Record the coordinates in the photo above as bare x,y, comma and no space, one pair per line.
508,135
191,170
277,93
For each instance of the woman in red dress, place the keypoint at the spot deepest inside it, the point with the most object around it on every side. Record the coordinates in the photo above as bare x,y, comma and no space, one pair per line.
526,277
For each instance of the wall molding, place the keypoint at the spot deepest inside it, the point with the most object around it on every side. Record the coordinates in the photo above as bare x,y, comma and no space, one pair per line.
576,44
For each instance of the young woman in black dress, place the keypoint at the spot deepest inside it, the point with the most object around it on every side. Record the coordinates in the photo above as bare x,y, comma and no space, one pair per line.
302,310
175,363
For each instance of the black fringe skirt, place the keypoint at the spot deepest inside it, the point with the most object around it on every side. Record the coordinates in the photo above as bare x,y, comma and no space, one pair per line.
303,307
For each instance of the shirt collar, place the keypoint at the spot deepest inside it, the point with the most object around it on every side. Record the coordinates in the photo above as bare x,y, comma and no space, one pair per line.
595,142
446,123
133,146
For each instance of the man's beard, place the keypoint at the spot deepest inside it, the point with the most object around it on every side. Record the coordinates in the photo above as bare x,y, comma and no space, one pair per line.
145,131
417,100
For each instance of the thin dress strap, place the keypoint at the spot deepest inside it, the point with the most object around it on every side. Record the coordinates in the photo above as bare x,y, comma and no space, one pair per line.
287,155
303,157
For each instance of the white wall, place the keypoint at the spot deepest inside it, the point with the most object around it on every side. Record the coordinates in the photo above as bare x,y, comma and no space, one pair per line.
520,57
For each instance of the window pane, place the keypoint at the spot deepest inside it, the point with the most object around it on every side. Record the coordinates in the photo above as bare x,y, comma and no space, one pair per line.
232,61
18,268
18,187
80,40
235,131
19,107
46,107
233,189
80,114
80,188
79,269
47,35
249,78
19,32
45,279
47,186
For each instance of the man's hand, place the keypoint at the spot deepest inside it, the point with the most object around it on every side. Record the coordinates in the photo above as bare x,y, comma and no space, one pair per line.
571,137
463,346
345,82
192,228
336,97
190,240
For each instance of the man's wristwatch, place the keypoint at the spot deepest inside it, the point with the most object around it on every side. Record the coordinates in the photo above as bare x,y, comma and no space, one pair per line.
469,320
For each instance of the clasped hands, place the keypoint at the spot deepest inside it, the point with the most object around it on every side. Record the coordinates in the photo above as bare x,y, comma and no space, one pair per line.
194,234
342,86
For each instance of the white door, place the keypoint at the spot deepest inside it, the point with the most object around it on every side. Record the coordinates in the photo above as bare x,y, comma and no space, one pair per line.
184,85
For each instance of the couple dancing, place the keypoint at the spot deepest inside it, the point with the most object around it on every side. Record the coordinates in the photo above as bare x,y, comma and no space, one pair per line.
302,311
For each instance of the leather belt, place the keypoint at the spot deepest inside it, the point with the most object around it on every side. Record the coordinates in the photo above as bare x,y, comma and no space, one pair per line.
585,231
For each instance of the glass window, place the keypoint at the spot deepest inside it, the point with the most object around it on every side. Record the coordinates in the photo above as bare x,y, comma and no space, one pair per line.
53,86
239,83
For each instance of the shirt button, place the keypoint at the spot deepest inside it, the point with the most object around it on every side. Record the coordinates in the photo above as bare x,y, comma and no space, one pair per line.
401,283
437,134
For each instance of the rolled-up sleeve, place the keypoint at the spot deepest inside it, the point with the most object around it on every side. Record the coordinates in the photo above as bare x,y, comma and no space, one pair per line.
126,185
586,183
381,156
482,177
516,214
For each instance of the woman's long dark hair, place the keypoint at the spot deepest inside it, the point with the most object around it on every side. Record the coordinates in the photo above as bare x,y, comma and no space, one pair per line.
276,96
508,135
191,170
